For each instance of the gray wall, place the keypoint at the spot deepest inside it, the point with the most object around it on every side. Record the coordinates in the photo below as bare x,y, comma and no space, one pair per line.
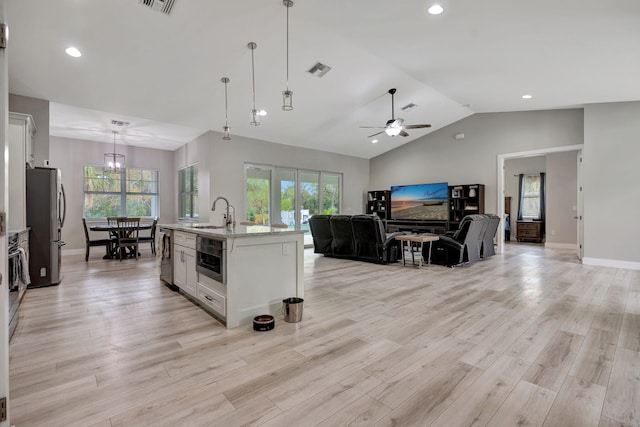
224,162
39,109
562,199
70,156
611,180
439,157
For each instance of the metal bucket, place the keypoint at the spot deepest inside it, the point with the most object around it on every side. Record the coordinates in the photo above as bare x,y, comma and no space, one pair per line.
292,309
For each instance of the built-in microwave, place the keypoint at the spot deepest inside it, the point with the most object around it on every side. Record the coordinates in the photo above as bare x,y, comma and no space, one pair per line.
210,258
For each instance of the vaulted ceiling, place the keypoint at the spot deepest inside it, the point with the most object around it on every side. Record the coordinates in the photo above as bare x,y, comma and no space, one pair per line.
162,72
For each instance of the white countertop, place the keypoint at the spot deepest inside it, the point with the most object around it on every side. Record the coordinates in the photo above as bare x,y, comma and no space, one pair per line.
225,233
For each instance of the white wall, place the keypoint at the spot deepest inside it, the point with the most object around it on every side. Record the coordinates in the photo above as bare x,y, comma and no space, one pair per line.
70,156
611,180
224,162
439,157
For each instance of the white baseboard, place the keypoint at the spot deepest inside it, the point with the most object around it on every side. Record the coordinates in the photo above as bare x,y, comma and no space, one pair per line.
549,245
629,265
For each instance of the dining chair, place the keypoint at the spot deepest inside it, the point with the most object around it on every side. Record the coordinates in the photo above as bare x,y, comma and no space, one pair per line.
151,238
108,243
128,229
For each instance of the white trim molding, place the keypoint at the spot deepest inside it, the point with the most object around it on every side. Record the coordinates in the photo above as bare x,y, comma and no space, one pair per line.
600,262
573,246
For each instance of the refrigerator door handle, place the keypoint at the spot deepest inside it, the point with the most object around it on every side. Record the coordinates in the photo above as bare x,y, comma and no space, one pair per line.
63,205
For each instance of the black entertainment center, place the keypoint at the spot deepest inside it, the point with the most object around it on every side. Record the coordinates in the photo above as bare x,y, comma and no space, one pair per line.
425,208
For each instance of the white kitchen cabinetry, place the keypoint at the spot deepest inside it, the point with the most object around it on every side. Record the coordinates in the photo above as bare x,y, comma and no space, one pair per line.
184,262
21,131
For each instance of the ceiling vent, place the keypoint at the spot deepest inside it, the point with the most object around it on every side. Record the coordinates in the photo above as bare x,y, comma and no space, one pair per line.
319,69
409,107
120,123
164,6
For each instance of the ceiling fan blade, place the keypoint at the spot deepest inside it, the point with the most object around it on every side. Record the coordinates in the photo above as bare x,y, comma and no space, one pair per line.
372,127
403,133
416,126
375,134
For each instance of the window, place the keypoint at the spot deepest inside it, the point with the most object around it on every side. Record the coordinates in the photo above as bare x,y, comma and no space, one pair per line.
188,192
133,192
531,197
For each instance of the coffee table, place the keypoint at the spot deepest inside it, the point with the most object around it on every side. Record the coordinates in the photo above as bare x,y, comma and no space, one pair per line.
420,240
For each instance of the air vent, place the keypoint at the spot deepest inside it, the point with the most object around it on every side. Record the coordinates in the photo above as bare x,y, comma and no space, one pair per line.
120,123
319,69
409,107
164,6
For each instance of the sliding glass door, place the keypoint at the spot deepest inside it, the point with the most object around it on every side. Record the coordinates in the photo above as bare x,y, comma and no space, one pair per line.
290,196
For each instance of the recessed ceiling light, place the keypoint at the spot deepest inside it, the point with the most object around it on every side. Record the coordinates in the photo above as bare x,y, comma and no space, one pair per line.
436,9
373,141
72,51
262,113
527,96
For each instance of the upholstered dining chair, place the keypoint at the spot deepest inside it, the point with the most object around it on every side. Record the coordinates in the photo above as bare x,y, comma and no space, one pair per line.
108,243
151,238
128,229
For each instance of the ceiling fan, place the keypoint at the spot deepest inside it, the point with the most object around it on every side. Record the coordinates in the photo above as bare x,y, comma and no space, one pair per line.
394,127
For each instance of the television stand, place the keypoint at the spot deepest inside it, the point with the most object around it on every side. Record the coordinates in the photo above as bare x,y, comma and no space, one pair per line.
426,226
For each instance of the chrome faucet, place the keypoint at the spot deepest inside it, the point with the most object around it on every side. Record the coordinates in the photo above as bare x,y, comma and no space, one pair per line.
228,219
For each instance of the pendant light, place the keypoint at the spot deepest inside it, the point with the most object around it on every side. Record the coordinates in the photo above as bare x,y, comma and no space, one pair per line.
255,114
114,161
226,136
287,95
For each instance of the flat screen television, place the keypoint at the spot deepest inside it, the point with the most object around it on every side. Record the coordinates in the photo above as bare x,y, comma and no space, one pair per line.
426,202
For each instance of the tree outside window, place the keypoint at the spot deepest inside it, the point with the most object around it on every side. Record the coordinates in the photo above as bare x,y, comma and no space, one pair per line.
531,197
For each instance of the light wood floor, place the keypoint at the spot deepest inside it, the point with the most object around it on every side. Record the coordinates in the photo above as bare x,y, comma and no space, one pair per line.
530,338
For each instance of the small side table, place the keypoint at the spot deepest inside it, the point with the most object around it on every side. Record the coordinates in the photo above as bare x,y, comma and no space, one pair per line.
420,239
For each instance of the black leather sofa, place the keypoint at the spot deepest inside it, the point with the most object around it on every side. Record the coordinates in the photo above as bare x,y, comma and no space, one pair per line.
360,237
471,242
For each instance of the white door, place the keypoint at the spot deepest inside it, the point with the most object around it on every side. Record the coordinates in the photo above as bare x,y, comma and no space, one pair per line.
580,209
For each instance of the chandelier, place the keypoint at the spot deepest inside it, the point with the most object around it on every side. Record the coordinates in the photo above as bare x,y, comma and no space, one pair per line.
114,161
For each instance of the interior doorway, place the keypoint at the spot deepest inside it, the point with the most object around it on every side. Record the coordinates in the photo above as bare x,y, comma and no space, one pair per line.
501,185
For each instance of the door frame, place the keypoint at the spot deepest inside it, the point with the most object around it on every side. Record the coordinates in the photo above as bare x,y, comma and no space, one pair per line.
500,179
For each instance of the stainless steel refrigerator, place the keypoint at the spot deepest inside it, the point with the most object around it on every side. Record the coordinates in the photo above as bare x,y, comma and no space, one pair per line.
45,216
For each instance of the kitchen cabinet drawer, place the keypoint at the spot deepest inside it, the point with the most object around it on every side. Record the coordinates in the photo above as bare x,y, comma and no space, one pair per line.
212,299
185,239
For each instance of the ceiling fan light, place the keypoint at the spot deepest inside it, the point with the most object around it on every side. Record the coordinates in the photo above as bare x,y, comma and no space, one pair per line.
393,131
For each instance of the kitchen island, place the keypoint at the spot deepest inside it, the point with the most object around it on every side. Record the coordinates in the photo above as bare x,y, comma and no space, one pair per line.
252,269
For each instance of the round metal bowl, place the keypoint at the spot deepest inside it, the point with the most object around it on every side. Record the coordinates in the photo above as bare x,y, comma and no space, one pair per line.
264,322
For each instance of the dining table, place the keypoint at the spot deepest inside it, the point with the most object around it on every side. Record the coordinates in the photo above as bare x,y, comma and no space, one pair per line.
112,229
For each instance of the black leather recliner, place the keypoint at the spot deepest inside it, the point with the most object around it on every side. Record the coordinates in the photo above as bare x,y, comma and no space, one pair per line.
463,246
321,233
342,244
371,242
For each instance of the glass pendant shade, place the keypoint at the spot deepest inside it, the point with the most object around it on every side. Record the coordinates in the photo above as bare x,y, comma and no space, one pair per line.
255,114
287,100
255,117
114,161
226,130
287,95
